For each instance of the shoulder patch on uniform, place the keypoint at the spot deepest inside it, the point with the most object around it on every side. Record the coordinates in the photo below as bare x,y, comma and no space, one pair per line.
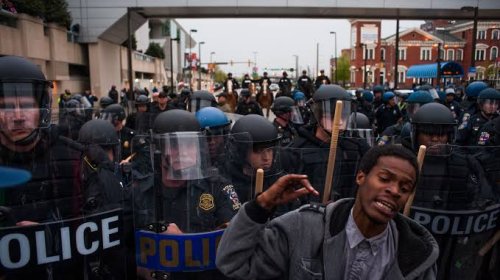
206,202
231,193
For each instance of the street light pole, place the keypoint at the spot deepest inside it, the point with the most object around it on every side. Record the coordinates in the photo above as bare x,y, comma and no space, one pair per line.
211,53
364,69
335,56
190,53
438,75
199,69
172,63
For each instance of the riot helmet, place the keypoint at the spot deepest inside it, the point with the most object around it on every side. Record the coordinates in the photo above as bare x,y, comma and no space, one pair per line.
101,133
213,121
488,101
141,100
300,98
284,107
368,96
323,107
378,91
285,74
215,125
416,100
254,142
201,99
387,96
114,113
180,149
433,124
359,127
24,100
431,90
474,88
105,102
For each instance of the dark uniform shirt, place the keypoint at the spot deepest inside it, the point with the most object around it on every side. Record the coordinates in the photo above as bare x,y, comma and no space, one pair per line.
287,133
455,109
252,107
489,133
285,86
320,80
305,85
246,83
469,130
387,116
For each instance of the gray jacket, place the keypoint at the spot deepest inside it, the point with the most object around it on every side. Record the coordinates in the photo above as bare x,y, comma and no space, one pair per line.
308,243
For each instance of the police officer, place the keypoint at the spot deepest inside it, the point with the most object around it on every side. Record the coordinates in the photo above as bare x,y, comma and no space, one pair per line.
433,124
300,101
365,105
115,114
285,111
378,91
321,79
231,84
388,114
311,145
215,125
28,141
469,131
163,104
137,121
103,191
184,195
285,85
246,105
453,105
305,84
264,82
254,143
201,99
246,82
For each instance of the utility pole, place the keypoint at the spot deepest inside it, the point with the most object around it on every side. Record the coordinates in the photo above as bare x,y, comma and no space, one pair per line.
317,59
335,56
199,68
296,66
438,75
172,63
396,51
364,69
189,58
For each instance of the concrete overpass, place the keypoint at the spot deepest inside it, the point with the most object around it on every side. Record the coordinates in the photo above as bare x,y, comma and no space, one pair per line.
107,19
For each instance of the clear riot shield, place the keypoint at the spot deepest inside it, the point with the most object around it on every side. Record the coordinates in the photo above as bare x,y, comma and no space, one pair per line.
180,208
71,119
457,200
141,122
60,224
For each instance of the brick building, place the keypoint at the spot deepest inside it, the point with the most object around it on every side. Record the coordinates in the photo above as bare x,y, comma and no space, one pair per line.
420,46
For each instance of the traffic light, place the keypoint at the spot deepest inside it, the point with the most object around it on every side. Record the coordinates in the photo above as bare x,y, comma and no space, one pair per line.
291,69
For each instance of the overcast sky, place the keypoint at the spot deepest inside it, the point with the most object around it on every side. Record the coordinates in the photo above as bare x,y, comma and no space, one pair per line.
275,41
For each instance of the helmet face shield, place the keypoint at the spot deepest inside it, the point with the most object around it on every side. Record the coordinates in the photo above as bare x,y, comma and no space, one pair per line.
361,133
324,112
489,106
184,155
197,104
33,101
295,115
433,136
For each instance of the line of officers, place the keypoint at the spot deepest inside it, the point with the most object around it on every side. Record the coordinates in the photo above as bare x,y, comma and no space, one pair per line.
187,168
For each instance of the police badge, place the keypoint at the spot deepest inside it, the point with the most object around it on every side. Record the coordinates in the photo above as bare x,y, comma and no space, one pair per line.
206,202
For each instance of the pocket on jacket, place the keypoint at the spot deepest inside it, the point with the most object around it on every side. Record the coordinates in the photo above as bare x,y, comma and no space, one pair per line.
308,269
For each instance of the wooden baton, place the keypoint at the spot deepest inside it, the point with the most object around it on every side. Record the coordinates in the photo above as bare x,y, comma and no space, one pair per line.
333,151
420,161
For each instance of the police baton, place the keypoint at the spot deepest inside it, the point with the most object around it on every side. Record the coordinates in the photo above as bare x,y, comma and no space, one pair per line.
420,161
487,247
259,181
333,151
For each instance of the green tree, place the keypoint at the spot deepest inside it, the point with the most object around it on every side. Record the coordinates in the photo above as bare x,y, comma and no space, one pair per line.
343,69
134,43
220,75
34,8
155,50
56,11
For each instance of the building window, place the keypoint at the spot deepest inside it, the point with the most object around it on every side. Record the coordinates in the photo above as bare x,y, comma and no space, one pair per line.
460,55
402,54
450,55
401,76
382,54
353,76
480,55
353,54
481,34
371,54
495,34
493,53
425,54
